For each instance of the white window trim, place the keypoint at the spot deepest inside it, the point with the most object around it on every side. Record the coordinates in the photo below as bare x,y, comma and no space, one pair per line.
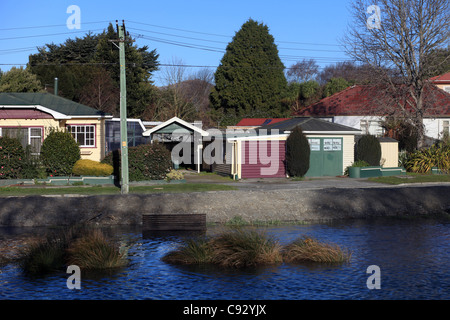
84,145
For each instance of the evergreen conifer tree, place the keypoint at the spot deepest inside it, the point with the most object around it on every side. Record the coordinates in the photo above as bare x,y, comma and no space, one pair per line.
250,80
297,153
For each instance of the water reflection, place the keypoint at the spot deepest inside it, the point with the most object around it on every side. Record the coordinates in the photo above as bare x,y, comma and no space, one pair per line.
413,256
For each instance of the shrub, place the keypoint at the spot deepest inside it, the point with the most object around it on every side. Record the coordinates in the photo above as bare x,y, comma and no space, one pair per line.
369,149
87,167
174,175
421,161
11,158
59,153
145,162
358,163
297,153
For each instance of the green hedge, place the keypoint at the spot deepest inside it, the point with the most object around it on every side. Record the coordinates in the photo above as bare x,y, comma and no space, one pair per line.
145,162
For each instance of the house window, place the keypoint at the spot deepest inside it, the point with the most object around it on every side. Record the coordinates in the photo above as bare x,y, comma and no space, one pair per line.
83,134
26,136
446,127
372,127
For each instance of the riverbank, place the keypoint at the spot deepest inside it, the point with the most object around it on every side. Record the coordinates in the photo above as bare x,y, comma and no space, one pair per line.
265,204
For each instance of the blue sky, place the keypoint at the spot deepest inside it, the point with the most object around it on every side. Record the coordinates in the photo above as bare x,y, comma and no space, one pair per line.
197,30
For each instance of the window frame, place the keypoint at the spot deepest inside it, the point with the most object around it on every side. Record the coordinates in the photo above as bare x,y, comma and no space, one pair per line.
85,126
29,136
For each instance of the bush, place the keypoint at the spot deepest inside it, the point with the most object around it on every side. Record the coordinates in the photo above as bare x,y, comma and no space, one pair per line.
174,175
368,149
59,153
297,153
421,161
145,162
87,167
11,158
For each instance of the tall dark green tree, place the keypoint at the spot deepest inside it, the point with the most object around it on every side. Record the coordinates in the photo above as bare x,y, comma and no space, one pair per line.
297,153
250,80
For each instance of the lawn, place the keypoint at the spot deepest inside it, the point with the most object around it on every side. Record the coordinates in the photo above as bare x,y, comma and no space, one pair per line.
412,178
99,190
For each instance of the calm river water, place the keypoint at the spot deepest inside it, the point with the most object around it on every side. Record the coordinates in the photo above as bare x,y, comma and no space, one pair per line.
413,256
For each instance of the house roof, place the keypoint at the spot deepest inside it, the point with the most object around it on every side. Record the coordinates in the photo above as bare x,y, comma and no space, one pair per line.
309,125
177,121
364,100
59,107
258,121
441,79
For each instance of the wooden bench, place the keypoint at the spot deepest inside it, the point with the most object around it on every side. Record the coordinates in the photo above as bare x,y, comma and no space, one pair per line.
174,222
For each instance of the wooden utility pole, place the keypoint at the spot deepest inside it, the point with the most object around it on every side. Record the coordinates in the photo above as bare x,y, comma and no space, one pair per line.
123,111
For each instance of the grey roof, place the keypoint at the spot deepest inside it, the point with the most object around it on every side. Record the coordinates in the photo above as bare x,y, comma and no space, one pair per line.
309,124
50,101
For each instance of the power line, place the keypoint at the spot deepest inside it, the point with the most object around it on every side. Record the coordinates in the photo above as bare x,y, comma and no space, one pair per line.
49,26
48,35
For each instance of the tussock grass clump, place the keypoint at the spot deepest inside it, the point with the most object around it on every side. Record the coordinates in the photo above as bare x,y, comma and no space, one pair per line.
306,249
232,249
45,255
87,248
239,248
94,251
193,251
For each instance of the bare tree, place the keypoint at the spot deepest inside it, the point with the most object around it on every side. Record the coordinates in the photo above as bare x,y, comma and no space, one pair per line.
101,93
398,35
304,70
172,101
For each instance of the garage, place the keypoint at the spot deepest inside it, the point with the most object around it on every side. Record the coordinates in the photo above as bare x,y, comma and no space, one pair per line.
263,159
264,155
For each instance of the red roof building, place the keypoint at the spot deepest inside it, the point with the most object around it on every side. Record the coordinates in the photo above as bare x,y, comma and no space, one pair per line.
363,108
252,123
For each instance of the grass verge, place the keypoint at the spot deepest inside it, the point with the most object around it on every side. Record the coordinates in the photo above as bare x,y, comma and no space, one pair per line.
104,190
412,178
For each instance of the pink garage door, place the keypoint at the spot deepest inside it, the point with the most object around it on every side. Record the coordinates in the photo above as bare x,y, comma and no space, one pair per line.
263,159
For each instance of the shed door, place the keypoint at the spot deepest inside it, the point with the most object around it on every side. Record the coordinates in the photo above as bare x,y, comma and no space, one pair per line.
326,157
263,159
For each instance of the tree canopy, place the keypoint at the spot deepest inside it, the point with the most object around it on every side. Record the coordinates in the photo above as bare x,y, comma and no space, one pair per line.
92,61
20,80
250,80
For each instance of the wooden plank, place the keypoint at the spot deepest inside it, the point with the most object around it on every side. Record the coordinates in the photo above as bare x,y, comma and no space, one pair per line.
174,222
